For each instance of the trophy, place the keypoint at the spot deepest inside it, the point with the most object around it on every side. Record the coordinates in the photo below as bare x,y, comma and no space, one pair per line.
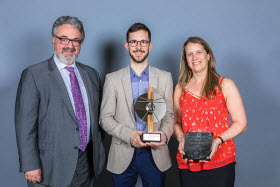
198,145
150,107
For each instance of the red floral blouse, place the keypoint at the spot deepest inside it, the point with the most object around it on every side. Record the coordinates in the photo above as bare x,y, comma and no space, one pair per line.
206,115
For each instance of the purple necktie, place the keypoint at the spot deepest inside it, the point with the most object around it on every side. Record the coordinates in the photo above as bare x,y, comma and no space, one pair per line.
79,107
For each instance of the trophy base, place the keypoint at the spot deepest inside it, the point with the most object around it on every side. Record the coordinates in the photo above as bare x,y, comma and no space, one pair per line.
206,158
151,137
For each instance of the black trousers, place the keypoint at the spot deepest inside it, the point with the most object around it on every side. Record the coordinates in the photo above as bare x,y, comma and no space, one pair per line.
219,177
83,176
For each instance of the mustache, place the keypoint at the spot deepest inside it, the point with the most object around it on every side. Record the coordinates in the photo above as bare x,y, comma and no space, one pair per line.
135,51
69,49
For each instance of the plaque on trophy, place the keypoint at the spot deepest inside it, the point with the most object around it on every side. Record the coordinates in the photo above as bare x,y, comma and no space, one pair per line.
198,145
150,107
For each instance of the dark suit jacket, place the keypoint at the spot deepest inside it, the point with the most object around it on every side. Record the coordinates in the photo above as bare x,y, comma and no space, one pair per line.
46,127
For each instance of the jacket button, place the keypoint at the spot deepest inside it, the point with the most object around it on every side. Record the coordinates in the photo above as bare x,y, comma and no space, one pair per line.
77,129
76,147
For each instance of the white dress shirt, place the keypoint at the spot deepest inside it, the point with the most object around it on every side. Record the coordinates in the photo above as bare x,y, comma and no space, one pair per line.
65,75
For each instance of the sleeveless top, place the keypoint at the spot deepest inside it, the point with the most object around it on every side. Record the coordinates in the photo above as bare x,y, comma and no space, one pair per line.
206,115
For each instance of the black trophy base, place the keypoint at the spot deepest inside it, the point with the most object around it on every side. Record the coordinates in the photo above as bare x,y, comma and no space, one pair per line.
151,137
198,145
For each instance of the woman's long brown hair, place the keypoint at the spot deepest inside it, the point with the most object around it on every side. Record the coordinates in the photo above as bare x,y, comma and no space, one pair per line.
185,72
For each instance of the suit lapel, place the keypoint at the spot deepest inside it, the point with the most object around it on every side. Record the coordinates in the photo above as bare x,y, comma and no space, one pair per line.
57,79
153,78
154,82
126,83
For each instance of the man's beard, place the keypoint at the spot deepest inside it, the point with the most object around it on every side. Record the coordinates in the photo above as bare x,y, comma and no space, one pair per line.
141,60
70,59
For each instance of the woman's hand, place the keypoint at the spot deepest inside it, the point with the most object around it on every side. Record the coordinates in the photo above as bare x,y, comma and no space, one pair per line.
181,148
216,142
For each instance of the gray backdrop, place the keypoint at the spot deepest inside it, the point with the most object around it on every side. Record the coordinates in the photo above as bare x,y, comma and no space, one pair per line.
244,36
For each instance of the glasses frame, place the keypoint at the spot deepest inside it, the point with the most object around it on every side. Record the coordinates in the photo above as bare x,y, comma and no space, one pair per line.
70,40
148,43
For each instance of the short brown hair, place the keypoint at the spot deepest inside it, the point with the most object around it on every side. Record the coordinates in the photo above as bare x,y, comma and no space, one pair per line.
137,27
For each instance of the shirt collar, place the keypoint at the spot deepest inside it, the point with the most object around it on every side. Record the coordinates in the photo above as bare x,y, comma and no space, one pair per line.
144,73
60,65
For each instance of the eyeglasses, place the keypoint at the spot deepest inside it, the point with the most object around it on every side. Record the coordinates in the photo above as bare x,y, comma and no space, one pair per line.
65,41
134,43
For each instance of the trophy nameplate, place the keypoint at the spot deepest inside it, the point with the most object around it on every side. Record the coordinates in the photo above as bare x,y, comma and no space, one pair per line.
198,145
150,107
151,137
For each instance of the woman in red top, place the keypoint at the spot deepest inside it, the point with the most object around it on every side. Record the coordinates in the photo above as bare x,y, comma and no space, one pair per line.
202,101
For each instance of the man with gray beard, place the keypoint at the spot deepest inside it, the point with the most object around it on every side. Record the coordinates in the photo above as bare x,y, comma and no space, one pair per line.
56,115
